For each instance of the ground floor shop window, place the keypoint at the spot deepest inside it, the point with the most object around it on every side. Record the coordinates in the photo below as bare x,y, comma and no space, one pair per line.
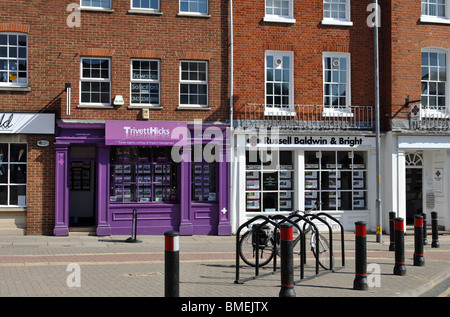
143,174
13,174
269,181
336,179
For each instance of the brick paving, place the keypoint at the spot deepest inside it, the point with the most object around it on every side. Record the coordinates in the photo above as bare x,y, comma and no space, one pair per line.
37,267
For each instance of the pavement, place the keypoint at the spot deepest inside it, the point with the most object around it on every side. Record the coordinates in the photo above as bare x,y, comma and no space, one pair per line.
92,266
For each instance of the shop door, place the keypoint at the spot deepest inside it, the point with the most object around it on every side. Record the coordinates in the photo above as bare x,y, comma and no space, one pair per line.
82,186
414,186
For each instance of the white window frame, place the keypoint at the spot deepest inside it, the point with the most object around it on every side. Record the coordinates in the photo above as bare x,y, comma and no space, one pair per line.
16,59
340,110
145,81
91,7
289,110
194,13
268,162
279,18
316,186
194,82
99,80
337,21
144,10
427,18
426,111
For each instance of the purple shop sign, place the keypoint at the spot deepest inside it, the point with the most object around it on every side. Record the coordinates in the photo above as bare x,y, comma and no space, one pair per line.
163,133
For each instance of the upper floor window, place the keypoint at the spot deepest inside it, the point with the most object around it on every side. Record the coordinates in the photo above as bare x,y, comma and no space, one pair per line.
279,11
151,5
279,81
194,83
336,12
436,11
336,80
13,60
194,6
95,81
145,89
435,87
97,4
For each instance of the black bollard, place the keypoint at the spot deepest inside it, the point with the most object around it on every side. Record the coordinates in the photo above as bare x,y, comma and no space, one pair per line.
425,240
360,281
434,230
287,261
171,264
418,241
133,238
391,231
399,268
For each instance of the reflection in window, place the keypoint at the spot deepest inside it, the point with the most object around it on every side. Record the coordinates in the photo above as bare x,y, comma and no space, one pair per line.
13,174
336,179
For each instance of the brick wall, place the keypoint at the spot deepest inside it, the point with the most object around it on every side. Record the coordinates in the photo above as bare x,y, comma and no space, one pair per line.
408,36
55,49
308,39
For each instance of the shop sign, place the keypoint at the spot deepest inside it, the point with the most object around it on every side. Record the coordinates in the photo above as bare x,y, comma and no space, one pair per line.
319,141
27,123
140,133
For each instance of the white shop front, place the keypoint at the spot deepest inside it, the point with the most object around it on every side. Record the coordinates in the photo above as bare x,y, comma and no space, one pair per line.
416,175
280,173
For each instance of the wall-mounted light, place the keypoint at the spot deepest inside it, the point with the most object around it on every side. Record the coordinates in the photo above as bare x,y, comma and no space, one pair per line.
68,91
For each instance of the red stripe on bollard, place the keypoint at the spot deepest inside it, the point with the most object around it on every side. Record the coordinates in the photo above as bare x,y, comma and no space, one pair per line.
418,222
398,225
361,230
287,234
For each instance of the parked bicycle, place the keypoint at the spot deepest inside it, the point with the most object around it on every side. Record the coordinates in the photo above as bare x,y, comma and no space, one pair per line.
269,245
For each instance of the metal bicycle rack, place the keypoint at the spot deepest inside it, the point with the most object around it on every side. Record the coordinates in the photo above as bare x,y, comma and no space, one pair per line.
294,219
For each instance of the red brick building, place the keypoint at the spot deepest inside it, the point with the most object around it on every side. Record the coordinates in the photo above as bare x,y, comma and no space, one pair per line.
415,94
134,61
304,87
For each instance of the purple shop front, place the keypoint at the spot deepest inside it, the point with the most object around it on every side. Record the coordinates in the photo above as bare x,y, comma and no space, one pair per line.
173,174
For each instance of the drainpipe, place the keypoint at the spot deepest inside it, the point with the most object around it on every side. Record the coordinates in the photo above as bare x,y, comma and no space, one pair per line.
233,181
377,124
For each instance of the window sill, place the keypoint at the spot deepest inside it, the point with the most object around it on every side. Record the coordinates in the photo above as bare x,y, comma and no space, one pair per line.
432,19
150,107
193,15
13,209
195,108
336,22
96,106
434,114
276,19
15,89
96,10
338,113
143,11
281,113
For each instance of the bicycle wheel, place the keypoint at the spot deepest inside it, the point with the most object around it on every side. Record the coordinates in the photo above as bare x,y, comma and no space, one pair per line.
247,250
324,251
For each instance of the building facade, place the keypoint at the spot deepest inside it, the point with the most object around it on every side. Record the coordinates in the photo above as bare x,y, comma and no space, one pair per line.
125,81
304,109
416,96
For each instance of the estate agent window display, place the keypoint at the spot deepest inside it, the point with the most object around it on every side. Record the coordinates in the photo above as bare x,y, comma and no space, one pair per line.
269,181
